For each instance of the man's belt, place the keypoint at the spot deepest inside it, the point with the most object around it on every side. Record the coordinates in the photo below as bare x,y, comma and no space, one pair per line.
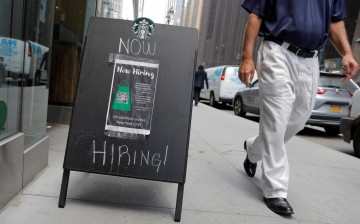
294,49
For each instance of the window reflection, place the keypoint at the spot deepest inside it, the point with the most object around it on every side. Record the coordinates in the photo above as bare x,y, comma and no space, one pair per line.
11,65
38,37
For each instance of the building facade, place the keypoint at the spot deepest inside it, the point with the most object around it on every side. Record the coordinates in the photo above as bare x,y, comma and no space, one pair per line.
221,26
173,12
351,22
356,39
178,12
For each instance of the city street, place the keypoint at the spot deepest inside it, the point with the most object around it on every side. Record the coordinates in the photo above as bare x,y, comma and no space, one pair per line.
97,123
217,189
310,133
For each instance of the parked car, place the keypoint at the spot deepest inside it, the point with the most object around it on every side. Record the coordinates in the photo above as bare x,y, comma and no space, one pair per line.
332,101
223,84
247,100
350,125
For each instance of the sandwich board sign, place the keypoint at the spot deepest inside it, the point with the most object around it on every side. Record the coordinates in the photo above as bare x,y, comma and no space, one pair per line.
132,112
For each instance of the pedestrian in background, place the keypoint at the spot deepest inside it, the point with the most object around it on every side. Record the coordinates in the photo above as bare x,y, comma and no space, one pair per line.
288,70
200,77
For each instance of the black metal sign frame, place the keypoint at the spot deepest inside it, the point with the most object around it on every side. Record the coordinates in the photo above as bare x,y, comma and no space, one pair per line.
123,121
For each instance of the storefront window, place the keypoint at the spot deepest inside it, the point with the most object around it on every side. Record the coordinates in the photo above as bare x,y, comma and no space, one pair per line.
11,69
38,35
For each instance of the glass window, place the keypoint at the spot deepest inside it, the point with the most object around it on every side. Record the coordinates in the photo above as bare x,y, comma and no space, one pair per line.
334,81
11,68
38,35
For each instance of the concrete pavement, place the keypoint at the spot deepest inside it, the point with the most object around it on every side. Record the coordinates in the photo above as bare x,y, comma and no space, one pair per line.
324,184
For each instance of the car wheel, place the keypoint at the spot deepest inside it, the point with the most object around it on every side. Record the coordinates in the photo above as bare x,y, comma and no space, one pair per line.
238,107
356,142
333,131
212,100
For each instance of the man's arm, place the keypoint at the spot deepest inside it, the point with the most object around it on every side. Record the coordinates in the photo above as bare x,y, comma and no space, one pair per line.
339,40
247,66
206,81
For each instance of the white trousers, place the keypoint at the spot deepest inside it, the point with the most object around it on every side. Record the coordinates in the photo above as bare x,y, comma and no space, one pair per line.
288,86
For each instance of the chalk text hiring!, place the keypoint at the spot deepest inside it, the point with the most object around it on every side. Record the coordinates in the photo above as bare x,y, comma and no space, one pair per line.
121,156
134,71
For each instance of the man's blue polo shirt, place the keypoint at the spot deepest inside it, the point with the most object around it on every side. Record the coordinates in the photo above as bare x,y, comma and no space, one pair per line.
304,23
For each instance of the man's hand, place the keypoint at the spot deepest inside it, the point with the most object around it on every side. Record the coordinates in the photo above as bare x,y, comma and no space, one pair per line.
339,40
246,71
351,67
247,67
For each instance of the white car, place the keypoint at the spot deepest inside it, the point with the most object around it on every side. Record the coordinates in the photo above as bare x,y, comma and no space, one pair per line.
224,82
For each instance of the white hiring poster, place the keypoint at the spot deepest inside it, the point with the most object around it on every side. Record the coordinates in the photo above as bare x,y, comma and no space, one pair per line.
132,96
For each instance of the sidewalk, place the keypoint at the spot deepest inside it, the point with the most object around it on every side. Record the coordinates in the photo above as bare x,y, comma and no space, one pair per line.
324,184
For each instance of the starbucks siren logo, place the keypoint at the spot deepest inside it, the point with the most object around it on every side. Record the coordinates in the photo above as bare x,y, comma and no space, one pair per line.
143,28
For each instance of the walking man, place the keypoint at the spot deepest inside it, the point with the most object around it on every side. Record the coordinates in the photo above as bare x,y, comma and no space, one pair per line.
287,65
200,77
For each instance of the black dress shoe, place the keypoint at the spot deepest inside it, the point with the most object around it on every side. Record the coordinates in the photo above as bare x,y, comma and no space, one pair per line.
279,205
250,168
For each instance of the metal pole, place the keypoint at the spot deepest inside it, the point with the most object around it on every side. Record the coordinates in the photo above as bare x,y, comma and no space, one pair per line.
136,9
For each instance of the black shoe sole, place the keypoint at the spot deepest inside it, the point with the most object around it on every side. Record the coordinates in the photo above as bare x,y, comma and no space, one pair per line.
280,212
250,168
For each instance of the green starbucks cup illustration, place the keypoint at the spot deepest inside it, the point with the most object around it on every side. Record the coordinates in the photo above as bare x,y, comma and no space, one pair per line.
122,99
3,115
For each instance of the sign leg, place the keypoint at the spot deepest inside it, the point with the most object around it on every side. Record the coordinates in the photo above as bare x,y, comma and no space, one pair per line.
179,201
64,187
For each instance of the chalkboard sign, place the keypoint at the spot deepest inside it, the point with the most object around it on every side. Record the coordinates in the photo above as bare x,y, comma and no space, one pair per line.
132,110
